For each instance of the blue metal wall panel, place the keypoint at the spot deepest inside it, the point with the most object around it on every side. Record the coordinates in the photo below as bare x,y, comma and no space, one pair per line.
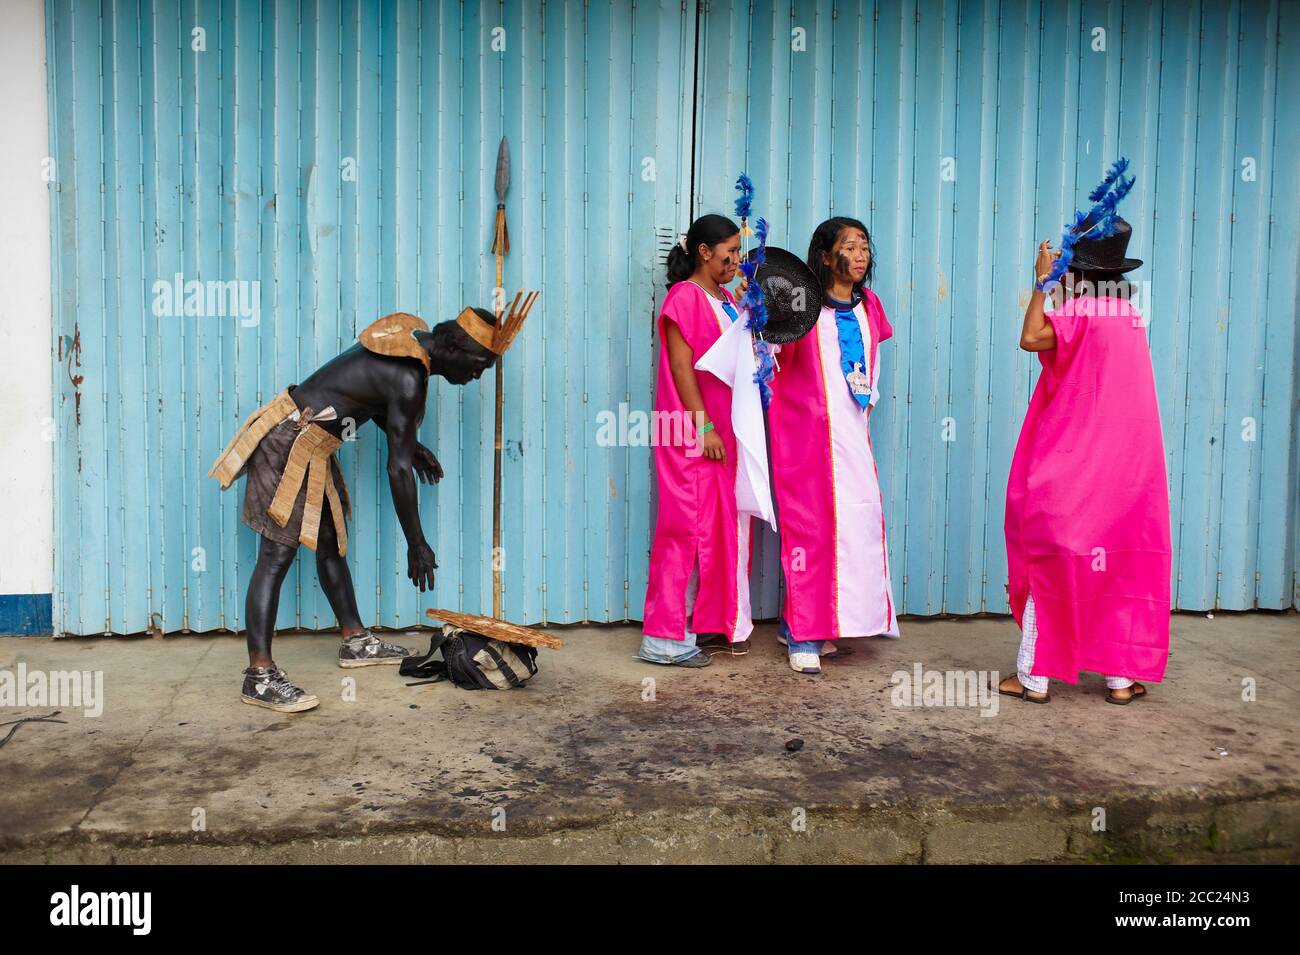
858,123
227,164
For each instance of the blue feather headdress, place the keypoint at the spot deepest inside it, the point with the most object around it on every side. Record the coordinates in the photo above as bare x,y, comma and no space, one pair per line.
1100,219
752,296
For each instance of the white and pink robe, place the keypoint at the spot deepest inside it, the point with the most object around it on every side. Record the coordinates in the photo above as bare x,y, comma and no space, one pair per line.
829,507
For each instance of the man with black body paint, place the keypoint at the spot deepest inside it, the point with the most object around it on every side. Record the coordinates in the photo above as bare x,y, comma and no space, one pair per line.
357,386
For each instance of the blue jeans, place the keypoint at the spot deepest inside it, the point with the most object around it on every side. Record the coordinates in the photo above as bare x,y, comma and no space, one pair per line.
791,646
663,650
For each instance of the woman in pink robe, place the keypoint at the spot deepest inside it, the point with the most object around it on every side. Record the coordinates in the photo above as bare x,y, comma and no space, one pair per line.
829,508
699,558
1087,519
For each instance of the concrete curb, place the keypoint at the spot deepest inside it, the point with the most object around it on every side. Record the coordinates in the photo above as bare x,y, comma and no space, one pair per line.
1225,827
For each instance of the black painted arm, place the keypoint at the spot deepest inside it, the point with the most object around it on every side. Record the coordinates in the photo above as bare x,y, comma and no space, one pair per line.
401,422
427,466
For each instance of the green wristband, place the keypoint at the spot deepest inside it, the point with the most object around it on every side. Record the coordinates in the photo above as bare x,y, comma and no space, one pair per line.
706,427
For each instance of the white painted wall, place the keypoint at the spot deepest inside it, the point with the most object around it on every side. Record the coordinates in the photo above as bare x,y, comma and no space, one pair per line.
26,442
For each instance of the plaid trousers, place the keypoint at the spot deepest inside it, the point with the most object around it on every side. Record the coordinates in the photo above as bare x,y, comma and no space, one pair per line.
1025,658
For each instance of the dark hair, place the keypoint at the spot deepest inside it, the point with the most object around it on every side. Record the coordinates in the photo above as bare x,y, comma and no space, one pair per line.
706,230
1115,282
824,237
460,338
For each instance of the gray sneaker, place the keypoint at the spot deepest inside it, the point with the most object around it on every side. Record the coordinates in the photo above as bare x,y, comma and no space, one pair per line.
270,687
367,650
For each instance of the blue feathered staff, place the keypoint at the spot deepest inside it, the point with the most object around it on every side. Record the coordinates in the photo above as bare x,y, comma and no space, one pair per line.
751,297
745,204
1105,198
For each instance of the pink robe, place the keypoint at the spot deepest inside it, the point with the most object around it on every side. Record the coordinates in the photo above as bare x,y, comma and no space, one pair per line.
1087,519
829,509
697,520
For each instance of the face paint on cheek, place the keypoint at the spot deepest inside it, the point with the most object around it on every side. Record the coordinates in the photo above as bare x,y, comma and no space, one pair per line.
842,266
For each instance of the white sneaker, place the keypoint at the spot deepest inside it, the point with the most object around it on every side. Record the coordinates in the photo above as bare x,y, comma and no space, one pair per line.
828,646
805,662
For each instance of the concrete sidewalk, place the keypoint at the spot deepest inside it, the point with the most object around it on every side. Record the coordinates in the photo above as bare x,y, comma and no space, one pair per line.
582,766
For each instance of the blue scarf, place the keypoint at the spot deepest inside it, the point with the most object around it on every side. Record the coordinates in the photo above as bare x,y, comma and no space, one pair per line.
853,360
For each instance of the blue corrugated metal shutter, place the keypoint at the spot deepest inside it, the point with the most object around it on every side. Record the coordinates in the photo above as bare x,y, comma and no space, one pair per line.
228,164
861,108
231,162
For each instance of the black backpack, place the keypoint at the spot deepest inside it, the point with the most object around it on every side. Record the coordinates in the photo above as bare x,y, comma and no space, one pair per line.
473,661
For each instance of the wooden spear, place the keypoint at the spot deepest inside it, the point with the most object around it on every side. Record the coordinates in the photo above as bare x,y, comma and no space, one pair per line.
500,246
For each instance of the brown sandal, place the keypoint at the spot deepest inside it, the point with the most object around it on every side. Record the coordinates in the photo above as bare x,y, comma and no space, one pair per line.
1138,689
1024,693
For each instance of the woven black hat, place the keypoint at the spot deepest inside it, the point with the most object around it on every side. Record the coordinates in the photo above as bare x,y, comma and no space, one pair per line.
1107,254
792,294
